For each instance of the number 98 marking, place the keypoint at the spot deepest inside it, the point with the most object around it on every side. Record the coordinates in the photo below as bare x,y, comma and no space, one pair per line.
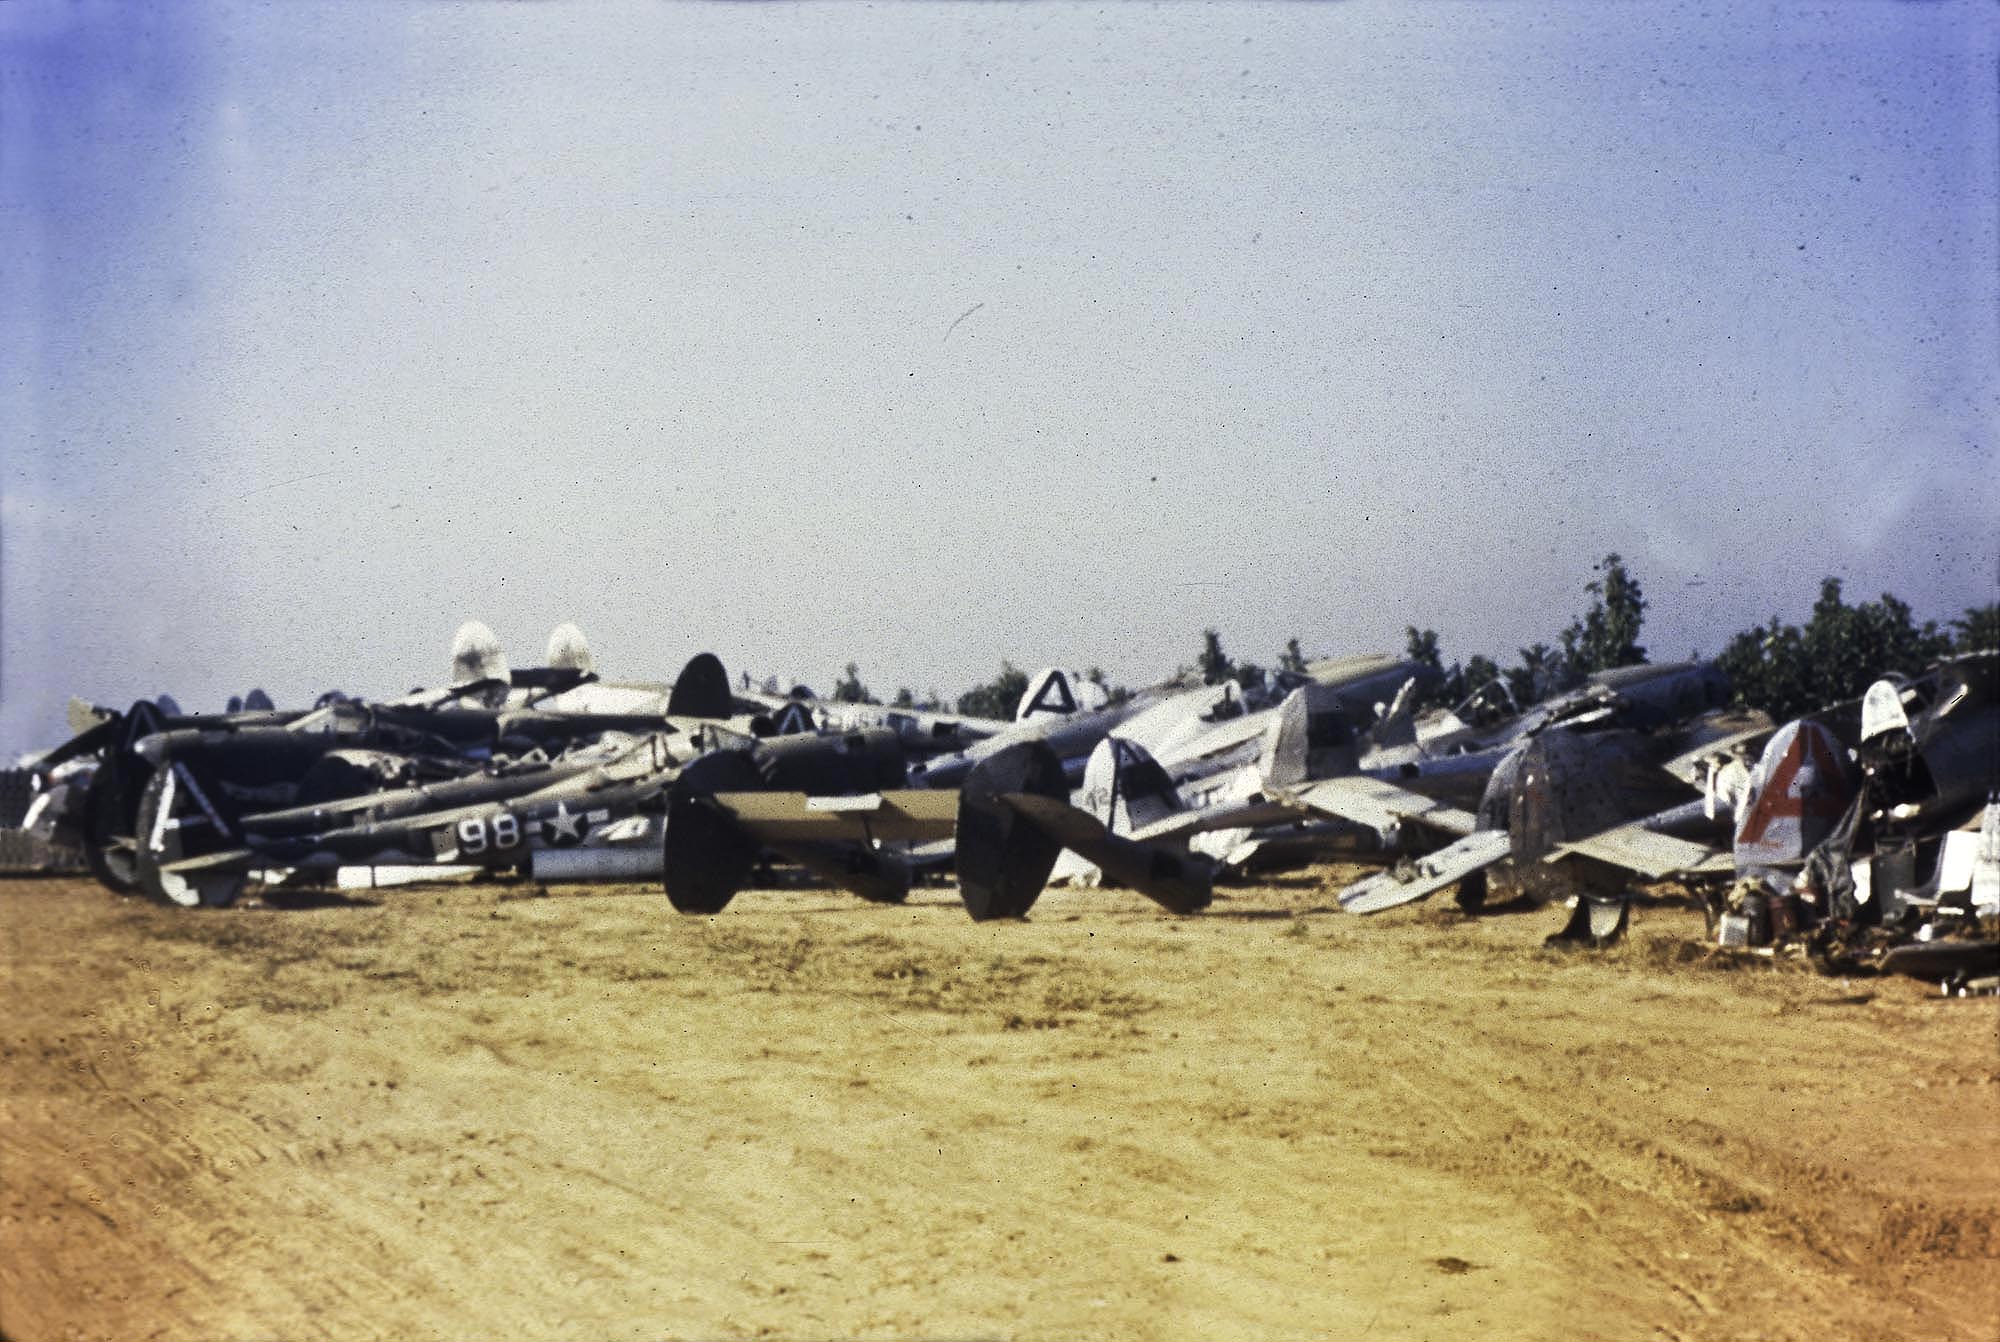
472,837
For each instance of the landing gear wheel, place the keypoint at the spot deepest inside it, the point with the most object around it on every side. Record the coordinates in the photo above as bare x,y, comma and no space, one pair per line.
107,850
214,889
1471,893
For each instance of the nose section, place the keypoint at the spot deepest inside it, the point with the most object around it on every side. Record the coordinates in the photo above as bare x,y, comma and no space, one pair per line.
156,747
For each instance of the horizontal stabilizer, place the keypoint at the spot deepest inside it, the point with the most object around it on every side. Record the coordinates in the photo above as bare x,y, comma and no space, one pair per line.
908,814
1407,882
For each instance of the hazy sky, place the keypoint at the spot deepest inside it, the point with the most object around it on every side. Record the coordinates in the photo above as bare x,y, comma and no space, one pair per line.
931,335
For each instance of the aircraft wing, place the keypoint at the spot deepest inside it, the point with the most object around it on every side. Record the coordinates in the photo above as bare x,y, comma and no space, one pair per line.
1407,882
917,814
1380,805
1647,852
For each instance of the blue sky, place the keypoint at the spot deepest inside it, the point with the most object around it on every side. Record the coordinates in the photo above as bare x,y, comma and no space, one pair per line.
931,335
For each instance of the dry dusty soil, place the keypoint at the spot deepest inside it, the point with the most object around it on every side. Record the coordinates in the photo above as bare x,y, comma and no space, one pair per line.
485,1112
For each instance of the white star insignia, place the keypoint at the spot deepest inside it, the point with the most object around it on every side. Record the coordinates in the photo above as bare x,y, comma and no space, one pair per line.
563,825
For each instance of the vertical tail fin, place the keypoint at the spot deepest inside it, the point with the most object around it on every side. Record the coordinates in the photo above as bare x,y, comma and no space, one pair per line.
1308,738
1397,724
702,689
476,654
569,651
1125,788
1059,693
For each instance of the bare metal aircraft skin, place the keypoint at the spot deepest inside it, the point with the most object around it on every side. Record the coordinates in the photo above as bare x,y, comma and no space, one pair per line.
1587,762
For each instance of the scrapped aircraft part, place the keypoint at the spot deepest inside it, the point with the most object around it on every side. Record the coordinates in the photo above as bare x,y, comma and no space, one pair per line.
108,849
1882,710
1397,724
1047,692
569,650
702,690
832,764
1657,694
705,856
876,876
83,717
205,889
1984,887
626,863
1651,854
1125,788
384,876
1471,893
1946,960
476,655
914,814
1178,881
1595,923
1004,859
794,719
1803,786
1053,692
1407,882
342,774
1307,737
1382,806
171,802
1570,787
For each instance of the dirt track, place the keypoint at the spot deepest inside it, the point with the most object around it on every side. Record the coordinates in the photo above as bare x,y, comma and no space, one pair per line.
464,1113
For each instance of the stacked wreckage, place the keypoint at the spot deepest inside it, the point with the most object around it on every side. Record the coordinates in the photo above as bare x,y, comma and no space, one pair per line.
1866,835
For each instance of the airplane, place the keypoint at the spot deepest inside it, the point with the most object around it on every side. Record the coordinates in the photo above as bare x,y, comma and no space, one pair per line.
1060,709
828,803
347,748
1511,792
1901,777
1207,755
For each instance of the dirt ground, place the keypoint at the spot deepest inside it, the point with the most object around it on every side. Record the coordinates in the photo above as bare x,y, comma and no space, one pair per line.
479,1112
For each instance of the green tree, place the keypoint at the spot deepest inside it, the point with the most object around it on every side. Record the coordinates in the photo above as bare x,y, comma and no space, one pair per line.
1421,647
1978,628
1608,634
998,697
1481,691
1214,663
1292,660
1113,694
1787,670
1543,671
905,698
849,689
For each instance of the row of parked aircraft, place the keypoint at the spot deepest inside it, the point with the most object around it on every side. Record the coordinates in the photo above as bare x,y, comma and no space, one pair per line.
1860,817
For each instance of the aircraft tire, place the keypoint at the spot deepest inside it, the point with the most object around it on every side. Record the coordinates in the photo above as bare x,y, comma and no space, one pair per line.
155,884
104,849
1471,893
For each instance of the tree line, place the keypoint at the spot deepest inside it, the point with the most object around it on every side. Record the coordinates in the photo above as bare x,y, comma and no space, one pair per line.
1783,669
